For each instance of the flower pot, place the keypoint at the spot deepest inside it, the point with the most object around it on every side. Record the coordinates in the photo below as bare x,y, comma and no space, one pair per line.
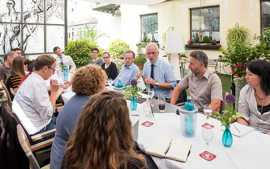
227,138
133,103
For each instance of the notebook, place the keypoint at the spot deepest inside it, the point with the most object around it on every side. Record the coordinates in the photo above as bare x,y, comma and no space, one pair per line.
174,149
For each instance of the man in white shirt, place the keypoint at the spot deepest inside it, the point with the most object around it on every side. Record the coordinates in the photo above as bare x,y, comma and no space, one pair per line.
63,60
33,97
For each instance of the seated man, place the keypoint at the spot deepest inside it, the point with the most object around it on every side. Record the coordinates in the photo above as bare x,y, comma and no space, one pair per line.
34,99
158,73
62,60
204,86
128,71
5,69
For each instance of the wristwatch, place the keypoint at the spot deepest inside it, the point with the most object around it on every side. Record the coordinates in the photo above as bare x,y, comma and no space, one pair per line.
156,83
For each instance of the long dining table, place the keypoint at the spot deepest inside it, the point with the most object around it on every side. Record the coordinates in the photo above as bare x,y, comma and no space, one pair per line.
247,152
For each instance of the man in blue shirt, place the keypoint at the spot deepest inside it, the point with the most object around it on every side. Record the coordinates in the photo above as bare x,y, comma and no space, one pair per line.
128,71
158,73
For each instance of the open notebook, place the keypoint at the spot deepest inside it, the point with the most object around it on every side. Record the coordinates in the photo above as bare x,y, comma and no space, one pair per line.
169,148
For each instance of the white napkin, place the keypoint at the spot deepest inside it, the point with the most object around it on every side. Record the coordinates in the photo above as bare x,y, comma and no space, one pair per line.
239,130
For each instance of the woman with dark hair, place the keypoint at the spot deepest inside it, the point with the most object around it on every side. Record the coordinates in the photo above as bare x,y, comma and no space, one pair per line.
103,136
11,153
17,74
109,67
254,100
86,81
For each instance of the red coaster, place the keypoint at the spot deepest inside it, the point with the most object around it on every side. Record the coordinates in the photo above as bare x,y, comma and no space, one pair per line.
208,126
147,123
208,156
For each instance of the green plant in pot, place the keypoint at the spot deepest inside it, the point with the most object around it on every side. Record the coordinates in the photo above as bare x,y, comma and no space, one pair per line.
237,34
140,60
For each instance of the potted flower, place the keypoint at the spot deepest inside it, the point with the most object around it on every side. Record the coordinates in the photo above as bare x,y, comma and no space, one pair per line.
131,92
227,116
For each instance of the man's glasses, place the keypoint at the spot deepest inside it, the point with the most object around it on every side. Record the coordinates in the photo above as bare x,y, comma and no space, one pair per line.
106,57
150,53
52,69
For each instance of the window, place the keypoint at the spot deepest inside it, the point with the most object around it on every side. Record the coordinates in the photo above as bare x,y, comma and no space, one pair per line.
205,24
35,26
265,13
149,27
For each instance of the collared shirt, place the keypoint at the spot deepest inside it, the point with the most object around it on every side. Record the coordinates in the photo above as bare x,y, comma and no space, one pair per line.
126,74
65,60
202,90
248,108
33,98
163,72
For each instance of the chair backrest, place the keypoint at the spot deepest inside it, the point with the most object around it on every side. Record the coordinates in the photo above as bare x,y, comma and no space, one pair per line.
24,142
25,121
3,87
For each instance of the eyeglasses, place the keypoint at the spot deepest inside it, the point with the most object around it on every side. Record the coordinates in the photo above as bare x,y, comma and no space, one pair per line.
150,53
94,52
52,69
106,57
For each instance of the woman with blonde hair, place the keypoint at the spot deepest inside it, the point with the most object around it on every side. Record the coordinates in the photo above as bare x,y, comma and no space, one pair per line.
17,74
86,81
103,137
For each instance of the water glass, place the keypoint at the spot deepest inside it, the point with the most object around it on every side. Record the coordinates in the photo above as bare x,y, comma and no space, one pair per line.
207,134
161,104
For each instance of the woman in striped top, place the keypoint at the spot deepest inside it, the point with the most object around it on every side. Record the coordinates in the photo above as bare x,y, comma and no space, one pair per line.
16,75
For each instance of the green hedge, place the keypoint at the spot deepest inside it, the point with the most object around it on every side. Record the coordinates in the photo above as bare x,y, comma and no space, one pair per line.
80,51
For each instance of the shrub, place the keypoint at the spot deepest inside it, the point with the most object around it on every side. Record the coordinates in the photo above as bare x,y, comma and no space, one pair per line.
118,48
80,51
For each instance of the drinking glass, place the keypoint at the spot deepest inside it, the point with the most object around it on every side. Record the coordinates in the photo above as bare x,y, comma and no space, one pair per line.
207,134
161,104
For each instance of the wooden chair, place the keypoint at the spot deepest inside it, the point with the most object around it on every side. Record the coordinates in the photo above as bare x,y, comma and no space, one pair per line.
3,87
35,143
29,149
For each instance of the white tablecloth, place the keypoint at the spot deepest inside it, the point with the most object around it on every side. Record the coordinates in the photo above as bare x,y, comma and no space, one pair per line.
248,152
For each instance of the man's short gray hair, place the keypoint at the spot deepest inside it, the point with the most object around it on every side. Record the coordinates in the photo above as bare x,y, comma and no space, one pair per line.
152,44
200,56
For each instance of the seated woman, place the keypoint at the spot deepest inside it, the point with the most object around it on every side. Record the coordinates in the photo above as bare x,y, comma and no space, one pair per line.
11,154
104,133
17,74
109,67
86,81
254,100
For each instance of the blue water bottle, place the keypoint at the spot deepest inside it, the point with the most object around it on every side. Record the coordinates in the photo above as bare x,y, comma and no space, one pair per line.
65,73
119,84
189,122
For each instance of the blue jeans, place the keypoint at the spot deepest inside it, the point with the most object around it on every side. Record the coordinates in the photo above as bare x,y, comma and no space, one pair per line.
50,126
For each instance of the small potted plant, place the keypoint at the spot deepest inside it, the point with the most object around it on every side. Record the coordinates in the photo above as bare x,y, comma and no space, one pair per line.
227,116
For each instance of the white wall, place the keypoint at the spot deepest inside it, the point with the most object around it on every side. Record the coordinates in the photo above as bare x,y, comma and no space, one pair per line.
131,23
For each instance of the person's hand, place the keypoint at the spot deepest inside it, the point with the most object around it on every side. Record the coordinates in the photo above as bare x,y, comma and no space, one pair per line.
54,85
150,81
139,75
268,133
